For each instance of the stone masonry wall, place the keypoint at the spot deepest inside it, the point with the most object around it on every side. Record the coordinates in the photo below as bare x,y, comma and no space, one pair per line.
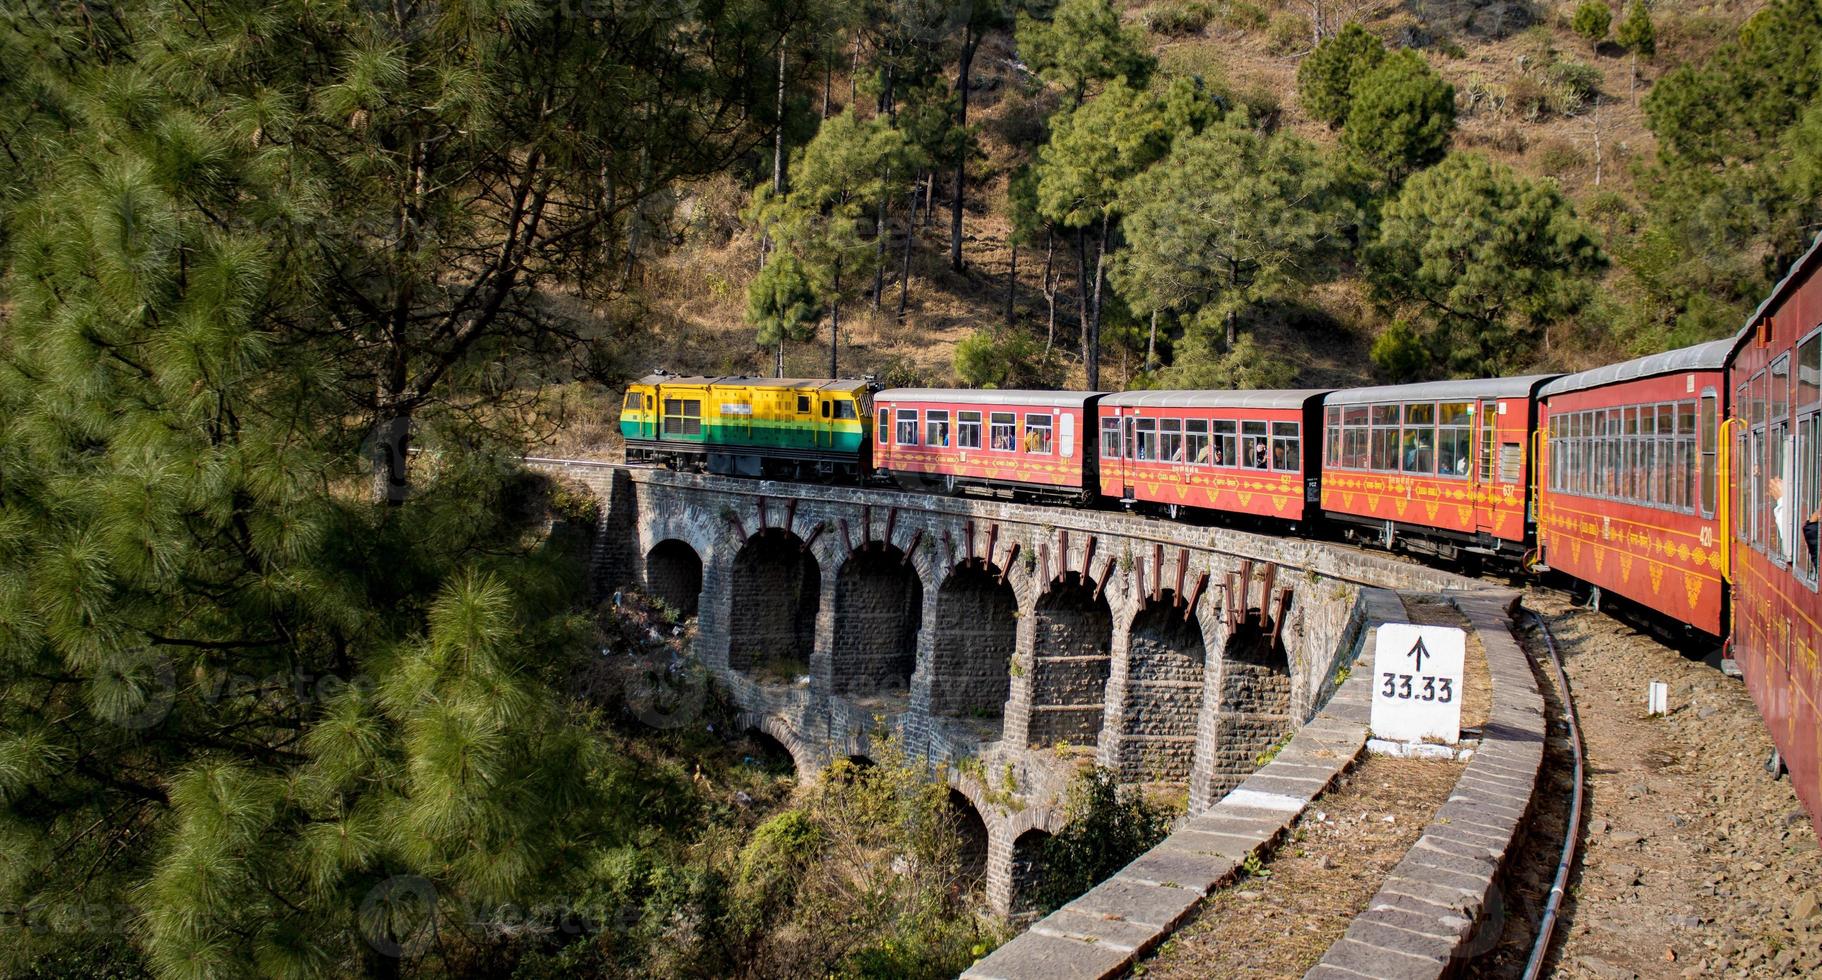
776,591
1071,660
878,607
1163,695
971,655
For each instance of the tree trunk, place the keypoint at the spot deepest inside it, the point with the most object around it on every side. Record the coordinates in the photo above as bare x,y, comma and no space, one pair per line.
929,196
778,127
970,42
1012,280
1151,343
1233,316
1100,276
779,366
835,326
827,73
1050,289
879,244
904,276
1081,279
854,70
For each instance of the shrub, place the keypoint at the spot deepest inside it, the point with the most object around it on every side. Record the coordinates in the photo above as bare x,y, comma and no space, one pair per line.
1399,353
1240,15
1560,158
1179,19
1106,830
1288,32
1578,83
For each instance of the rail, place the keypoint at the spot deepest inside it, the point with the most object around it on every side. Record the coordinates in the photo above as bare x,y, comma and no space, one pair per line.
1547,925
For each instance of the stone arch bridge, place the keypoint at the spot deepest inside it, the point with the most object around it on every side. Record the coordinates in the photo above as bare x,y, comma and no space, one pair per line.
1008,644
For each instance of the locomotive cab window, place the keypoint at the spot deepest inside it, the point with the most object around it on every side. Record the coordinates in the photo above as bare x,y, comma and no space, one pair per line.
907,427
936,428
844,409
803,404
968,430
635,400
828,410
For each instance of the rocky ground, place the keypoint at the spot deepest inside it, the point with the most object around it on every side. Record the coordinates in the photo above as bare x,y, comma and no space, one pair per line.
1694,861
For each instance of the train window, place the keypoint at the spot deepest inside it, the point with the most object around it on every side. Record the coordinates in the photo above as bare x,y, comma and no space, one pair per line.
1685,456
1778,396
844,409
1809,494
1037,434
1145,439
1286,451
1778,484
1195,441
1384,438
1002,429
1254,452
828,409
885,427
1170,440
1629,448
1809,372
936,428
907,427
803,404
1707,431
635,400
1418,441
1663,478
1331,446
968,430
1223,451
682,417
1648,458
1454,437
1110,438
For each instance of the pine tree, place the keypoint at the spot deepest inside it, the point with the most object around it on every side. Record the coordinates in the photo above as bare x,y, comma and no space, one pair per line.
1327,77
1082,44
1229,219
1487,256
1401,118
1636,33
1591,21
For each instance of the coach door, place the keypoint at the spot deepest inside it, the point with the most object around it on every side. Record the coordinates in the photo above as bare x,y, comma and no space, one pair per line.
1486,465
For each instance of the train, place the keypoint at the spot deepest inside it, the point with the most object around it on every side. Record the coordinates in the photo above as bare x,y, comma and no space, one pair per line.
1686,483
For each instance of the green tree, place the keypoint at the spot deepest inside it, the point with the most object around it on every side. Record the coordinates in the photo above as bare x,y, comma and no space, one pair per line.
1004,359
1091,152
1326,78
1231,218
1203,362
1082,44
974,18
1104,831
1636,32
1486,256
782,304
1591,21
1400,120
837,182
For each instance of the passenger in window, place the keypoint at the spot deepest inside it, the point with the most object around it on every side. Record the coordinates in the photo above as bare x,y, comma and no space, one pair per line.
1278,458
1202,457
1780,513
1461,466
1260,459
1812,537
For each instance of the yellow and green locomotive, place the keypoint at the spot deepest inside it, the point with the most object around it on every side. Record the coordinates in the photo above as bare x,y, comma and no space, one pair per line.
768,427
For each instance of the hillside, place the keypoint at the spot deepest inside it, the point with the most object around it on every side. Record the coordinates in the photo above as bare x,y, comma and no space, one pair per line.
1507,62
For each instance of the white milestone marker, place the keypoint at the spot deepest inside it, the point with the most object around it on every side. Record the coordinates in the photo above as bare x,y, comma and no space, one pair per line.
1417,682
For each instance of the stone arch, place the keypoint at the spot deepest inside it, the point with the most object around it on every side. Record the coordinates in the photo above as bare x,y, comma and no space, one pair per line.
1252,706
803,757
1071,657
971,828
879,604
1028,869
972,645
673,573
1164,683
768,752
774,595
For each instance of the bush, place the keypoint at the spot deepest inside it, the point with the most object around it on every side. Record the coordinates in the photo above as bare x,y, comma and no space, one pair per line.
989,359
1179,19
1399,353
1560,158
1105,831
1243,16
1288,32
1591,21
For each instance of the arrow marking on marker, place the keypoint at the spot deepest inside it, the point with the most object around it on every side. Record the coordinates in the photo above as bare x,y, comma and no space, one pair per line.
1419,652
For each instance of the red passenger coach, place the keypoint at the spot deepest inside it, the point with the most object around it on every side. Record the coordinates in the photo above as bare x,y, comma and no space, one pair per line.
1775,377
1240,452
1628,492
1006,443
1442,463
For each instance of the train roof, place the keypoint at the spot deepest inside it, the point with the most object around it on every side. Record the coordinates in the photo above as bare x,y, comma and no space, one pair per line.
1711,356
1797,269
989,396
814,384
1441,390
1256,398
